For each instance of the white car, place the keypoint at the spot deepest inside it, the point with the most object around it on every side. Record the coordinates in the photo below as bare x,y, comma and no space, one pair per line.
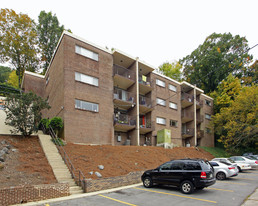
223,170
241,159
240,166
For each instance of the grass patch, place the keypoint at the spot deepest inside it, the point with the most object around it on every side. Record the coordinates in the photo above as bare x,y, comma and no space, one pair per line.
216,151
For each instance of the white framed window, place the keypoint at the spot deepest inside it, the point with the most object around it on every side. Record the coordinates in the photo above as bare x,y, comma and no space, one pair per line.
160,83
172,87
208,102
87,53
172,105
208,116
161,101
173,123
160,120
86,79
79,104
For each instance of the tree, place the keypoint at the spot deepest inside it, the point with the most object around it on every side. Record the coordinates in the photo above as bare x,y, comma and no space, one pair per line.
23,112
172,70
18,42
250,74
49,32
4,74
215,59
237,124
13,79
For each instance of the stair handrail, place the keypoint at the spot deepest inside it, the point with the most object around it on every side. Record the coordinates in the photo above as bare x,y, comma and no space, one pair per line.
81,178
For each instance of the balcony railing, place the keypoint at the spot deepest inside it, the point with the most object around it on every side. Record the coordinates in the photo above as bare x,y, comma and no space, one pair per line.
123,95
124,119
199,103
187,114
145,101
145,124
144,80
188,132
187,97
121,71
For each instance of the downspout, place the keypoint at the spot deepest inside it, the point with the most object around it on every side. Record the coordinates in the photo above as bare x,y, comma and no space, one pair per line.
137,104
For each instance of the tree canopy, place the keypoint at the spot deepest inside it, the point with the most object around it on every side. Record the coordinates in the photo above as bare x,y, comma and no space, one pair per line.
172,70
235,122
23,112
49,32
4,73
215,59
18,41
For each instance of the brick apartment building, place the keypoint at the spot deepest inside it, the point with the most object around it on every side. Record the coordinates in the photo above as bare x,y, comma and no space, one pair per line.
109,97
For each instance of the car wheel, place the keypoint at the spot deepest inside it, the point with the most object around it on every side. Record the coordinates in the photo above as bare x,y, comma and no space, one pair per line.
221,176
239,169
187,187
147,182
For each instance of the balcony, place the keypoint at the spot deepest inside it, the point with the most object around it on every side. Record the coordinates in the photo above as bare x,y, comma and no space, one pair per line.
186,100
145,85
189,132
200,133
145,105
124,122
146,127
123,99
123,77
187,116
199,104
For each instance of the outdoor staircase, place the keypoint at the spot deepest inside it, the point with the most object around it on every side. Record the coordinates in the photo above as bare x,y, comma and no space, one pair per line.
55,160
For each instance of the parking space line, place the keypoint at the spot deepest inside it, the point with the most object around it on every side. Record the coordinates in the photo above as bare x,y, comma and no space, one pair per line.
212,188
148,190
126,203
236,183
245,178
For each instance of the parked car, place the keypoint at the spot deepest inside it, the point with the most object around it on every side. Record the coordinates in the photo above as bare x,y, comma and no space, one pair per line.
187,174
241,159
247,154
254,157
223,170
240,166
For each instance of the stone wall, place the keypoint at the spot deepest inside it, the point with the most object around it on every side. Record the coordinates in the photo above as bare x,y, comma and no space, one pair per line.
31,193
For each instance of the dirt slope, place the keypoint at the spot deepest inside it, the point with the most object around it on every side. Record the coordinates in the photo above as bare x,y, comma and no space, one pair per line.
120,160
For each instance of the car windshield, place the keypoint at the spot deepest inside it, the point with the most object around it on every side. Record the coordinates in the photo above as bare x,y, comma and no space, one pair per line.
205,165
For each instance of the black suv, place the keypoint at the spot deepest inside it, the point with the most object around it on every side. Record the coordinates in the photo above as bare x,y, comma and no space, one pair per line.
188,174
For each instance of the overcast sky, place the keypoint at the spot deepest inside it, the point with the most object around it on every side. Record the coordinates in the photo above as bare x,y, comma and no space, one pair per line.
155,31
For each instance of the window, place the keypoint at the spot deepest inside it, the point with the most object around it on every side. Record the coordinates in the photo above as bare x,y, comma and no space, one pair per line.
86,53
161,101
208,116
173,123
86,79
192,166
160,120
177,165
172,105
214,164
160,83
208,130
166,166
86,106
207,102
172,87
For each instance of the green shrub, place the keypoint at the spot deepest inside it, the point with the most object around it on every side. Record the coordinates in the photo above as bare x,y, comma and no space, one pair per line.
44,122
56,123
58,141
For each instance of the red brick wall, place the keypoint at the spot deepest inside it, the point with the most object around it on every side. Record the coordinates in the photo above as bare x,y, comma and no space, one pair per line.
31,193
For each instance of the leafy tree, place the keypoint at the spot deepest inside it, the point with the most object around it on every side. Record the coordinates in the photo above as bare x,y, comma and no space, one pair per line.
23,112
13,79
18,41
215,59
49,32
6,89
237,124
226,93
172,70
250,74
4,74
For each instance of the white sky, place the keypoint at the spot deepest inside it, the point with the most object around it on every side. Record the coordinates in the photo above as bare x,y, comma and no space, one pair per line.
154,31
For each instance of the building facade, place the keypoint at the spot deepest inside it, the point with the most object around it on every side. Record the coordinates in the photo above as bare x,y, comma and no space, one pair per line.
109,97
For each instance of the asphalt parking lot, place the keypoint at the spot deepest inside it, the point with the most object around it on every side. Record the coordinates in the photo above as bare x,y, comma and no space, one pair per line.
232,191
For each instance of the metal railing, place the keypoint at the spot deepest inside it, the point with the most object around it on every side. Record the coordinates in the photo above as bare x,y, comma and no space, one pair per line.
187,97
145,101
77,174
144,80
124,119
119,70
123,95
